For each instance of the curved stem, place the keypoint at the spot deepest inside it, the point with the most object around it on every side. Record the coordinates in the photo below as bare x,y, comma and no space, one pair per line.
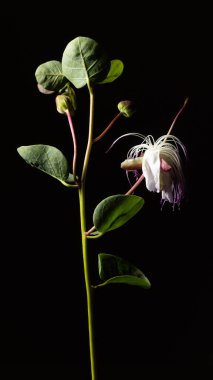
178,114
90,136
140,179
108,127
74,144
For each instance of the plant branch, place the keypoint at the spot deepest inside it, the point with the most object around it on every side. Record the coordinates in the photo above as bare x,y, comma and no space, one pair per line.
108,127
176,117
90,136
92,229
74,143
140,179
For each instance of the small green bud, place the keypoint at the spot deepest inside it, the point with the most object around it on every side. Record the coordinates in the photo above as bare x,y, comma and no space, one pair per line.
71,93
64,103
126,107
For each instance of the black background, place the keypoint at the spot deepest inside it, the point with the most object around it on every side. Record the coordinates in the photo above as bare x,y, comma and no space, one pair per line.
166,330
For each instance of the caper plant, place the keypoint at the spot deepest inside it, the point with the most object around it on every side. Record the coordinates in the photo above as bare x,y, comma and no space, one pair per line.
85,63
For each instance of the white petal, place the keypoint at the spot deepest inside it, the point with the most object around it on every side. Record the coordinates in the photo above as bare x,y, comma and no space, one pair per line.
151,169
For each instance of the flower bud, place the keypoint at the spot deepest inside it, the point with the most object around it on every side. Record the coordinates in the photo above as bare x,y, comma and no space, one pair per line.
66,102
132,163
126,107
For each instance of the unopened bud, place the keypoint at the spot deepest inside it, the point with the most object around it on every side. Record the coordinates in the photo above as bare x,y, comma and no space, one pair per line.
132,164
64,104
126,107
69,91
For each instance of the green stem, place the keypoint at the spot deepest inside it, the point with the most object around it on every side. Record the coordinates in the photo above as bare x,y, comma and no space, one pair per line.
84,239
87,284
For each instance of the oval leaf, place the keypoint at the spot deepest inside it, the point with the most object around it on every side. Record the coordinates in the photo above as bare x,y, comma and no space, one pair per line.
48,159
114,269
116,210
116,69
84,62
49,76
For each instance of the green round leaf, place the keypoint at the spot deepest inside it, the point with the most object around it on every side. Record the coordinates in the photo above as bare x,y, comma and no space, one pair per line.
49,76
116,210
48,159
116,69
84,62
